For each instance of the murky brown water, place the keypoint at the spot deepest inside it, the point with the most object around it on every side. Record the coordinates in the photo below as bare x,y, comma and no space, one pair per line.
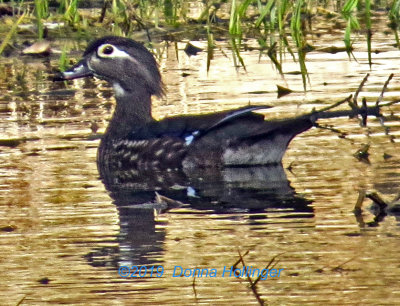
58,223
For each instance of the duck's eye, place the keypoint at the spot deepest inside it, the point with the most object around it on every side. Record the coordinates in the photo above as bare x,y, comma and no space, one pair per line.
106,50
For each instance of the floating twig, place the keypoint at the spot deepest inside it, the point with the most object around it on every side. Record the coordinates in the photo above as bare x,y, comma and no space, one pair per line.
332,129
363,112
21,300
362,153
324,109
267,267
359,89
283,91
194,285
339,267
360,200
384,89
379,212
389,103
378,200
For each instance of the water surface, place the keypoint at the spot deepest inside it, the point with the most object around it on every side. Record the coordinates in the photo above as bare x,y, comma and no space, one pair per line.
63,237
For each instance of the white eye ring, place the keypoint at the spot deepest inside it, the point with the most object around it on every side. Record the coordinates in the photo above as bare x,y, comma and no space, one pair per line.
110,51
107,50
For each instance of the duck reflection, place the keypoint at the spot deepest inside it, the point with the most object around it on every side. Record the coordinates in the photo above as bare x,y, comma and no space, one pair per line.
253,189
250,190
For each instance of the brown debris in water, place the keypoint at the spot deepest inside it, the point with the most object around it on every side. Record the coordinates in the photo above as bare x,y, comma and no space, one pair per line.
41,48
283,91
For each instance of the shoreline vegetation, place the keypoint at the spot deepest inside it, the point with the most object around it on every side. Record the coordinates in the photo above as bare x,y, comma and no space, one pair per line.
279,27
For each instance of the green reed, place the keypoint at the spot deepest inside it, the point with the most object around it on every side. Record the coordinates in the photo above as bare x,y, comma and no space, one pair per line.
69,10
279,26
298,37
11,33
173,11
238,11
352,23
210,36
394,16
63,60
369,30
41,13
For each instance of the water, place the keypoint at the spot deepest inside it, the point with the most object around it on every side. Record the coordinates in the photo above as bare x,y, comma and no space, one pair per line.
63,237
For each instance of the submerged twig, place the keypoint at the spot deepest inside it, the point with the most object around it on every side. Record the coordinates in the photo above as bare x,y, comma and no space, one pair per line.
239,260
21,300
252,285
244,265
266,267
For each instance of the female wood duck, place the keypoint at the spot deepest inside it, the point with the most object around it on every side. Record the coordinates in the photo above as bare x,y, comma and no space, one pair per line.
134,140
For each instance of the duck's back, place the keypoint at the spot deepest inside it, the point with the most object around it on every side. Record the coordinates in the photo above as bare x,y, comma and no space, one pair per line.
239,138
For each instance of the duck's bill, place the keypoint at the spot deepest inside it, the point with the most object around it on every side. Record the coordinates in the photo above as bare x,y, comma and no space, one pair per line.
80,70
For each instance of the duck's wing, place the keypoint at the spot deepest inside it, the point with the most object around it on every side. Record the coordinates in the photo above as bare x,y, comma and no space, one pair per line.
165,143
246,142
190,128
236,137
232,138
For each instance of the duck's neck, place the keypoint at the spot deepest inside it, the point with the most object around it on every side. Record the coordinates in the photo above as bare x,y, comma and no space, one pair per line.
133,110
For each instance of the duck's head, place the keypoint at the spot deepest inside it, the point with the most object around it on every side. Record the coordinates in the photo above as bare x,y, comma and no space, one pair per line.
123,62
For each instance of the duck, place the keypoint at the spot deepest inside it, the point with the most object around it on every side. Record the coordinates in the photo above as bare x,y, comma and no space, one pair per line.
134,140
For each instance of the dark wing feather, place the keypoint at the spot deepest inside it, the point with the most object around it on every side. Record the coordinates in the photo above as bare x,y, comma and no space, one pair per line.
197,126
293,127
230,117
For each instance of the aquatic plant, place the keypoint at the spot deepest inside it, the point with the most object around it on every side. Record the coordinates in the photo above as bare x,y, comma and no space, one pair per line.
69,10
279,26
394,16
41,12
11,33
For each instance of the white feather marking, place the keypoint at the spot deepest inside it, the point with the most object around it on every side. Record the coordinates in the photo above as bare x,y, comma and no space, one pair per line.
134,157
189,140
191,192
159,152
119,91
116,53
